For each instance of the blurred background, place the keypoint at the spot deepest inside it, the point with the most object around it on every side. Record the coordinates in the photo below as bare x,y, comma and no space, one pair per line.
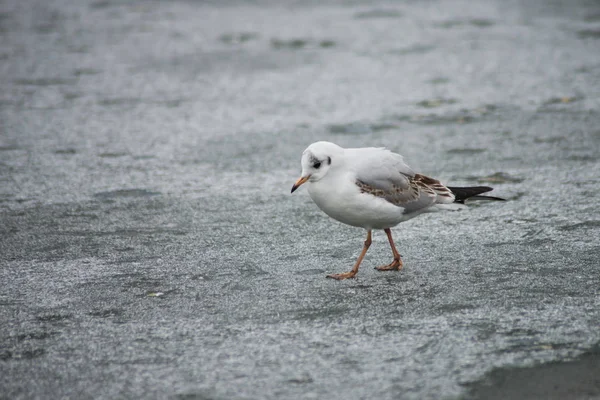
149,245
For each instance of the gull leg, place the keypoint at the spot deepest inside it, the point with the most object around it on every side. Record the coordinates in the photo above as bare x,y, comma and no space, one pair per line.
396,264
350,274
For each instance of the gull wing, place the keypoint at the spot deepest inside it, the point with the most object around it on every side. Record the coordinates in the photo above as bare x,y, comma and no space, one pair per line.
384,174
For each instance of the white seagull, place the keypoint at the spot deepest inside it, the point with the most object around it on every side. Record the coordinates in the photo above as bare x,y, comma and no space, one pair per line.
373,188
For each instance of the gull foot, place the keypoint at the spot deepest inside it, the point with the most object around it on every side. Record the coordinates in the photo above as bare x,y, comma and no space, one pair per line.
395,265
345,275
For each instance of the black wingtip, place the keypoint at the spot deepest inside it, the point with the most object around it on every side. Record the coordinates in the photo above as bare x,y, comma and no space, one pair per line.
487,198
473,192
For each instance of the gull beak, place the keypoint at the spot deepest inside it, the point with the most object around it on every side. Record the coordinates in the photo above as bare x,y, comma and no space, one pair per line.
300,182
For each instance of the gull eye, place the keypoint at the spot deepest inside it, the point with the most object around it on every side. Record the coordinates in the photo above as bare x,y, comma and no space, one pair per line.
317,165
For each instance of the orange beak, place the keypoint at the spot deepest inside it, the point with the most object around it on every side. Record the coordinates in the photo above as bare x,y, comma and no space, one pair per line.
300,182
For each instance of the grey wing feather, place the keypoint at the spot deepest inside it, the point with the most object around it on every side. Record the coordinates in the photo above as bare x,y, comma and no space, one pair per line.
380,168
385,174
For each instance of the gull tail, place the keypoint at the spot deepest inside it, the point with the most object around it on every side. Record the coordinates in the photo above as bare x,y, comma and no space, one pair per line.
472,192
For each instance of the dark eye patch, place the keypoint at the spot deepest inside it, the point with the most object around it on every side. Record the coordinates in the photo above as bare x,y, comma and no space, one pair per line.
316,163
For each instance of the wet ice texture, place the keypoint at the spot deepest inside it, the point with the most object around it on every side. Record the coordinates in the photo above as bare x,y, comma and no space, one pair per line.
149,246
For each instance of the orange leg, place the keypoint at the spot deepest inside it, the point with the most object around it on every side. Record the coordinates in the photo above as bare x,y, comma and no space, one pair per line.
396,264
351,274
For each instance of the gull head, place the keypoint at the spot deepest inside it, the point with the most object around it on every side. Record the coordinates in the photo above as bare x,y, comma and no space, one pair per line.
316,162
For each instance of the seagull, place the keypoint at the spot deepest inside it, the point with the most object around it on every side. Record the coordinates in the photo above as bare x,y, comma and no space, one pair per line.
373,188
